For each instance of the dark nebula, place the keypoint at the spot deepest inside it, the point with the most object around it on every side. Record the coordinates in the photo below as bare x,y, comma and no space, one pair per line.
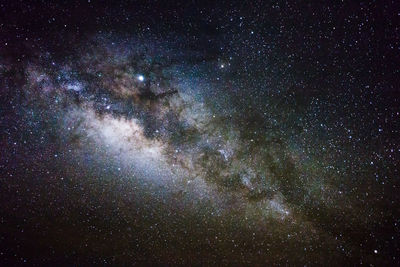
199,133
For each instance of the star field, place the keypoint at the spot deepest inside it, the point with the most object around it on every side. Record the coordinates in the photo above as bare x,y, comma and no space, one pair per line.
227,133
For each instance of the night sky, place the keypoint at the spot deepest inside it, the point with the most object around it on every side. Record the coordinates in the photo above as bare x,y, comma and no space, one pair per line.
245,133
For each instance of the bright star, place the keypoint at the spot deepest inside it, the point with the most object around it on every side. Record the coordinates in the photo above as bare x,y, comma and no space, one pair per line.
141,78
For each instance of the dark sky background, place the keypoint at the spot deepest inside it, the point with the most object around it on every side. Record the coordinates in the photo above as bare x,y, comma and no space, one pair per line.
199,132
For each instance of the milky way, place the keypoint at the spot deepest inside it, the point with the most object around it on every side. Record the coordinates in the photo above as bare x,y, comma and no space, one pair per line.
141,149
